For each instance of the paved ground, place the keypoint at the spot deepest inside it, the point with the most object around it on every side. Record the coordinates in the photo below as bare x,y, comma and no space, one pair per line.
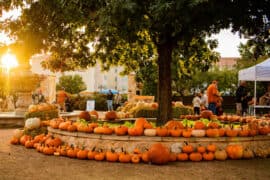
19,163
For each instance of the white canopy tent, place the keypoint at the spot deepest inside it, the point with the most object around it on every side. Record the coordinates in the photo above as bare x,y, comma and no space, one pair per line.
258,72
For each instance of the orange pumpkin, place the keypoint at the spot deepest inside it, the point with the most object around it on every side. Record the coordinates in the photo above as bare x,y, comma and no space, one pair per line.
213,125
162,131
206,114
110,115
221,132
145,157
211,147
85,115
147,125
72,153
248,153
244,133
187,148
24,138
124,158
72,128
159,154
107,130
29,144
98,130
91,154
94,113
173,124
212,133
111,156
199,125
173,157
220,155
175,132
93,125
135,158
136,131
38,138
235,151
100,156
48,150
121,130
14,141
64,125
263,130
231,132
63,151
82,154
253,132
182,157
140,122
201,149
208,156
187,133
195,156
55,124
53,141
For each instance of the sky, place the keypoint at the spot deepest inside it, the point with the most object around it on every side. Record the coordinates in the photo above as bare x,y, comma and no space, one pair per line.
228,42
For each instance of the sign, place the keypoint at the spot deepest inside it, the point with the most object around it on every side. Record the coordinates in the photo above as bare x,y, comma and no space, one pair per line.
90,105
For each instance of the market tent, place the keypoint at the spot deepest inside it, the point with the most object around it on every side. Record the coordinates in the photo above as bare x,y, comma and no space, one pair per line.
106,91
258,72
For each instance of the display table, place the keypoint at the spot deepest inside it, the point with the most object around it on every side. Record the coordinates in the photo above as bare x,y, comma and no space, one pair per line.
252,107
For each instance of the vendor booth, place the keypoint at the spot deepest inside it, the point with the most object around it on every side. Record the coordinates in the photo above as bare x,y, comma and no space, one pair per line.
258,72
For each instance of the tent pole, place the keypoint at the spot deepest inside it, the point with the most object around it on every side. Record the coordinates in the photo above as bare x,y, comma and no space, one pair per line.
255,98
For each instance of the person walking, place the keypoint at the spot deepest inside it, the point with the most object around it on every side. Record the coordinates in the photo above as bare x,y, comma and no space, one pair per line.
110,101
241,98
197,103
213,96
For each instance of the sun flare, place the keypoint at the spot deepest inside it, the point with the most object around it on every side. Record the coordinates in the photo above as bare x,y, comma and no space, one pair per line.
9,61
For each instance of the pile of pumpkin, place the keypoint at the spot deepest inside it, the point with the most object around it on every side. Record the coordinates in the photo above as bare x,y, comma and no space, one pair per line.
172,128
157,153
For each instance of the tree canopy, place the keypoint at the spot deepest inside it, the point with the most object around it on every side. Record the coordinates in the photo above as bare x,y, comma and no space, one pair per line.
128,32
72,84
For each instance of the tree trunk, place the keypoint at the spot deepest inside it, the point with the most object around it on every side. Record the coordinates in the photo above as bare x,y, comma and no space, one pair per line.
164,83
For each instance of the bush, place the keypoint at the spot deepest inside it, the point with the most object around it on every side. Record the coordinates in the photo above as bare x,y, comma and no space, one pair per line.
43,115
152,113
79,102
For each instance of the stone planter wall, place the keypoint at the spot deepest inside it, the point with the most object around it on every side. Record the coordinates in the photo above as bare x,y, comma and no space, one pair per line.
129,143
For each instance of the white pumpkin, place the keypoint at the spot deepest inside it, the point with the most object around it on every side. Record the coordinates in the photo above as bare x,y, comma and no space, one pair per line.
150,132
198,132
32,123
17,133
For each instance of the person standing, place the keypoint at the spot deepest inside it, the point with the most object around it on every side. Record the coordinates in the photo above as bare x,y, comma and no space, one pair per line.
241,95
117,100
197,103
61,98
110,100
213,96
204,101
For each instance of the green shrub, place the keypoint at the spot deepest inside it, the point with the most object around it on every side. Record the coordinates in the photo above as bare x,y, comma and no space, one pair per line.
43,115
176,112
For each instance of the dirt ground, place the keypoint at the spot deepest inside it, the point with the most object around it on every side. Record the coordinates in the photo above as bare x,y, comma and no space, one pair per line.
17,162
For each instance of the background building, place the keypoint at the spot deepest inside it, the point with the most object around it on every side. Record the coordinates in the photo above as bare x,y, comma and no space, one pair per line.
94,78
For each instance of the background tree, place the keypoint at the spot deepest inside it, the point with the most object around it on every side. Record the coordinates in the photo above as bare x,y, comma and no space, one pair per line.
121,29
72,84
253,52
